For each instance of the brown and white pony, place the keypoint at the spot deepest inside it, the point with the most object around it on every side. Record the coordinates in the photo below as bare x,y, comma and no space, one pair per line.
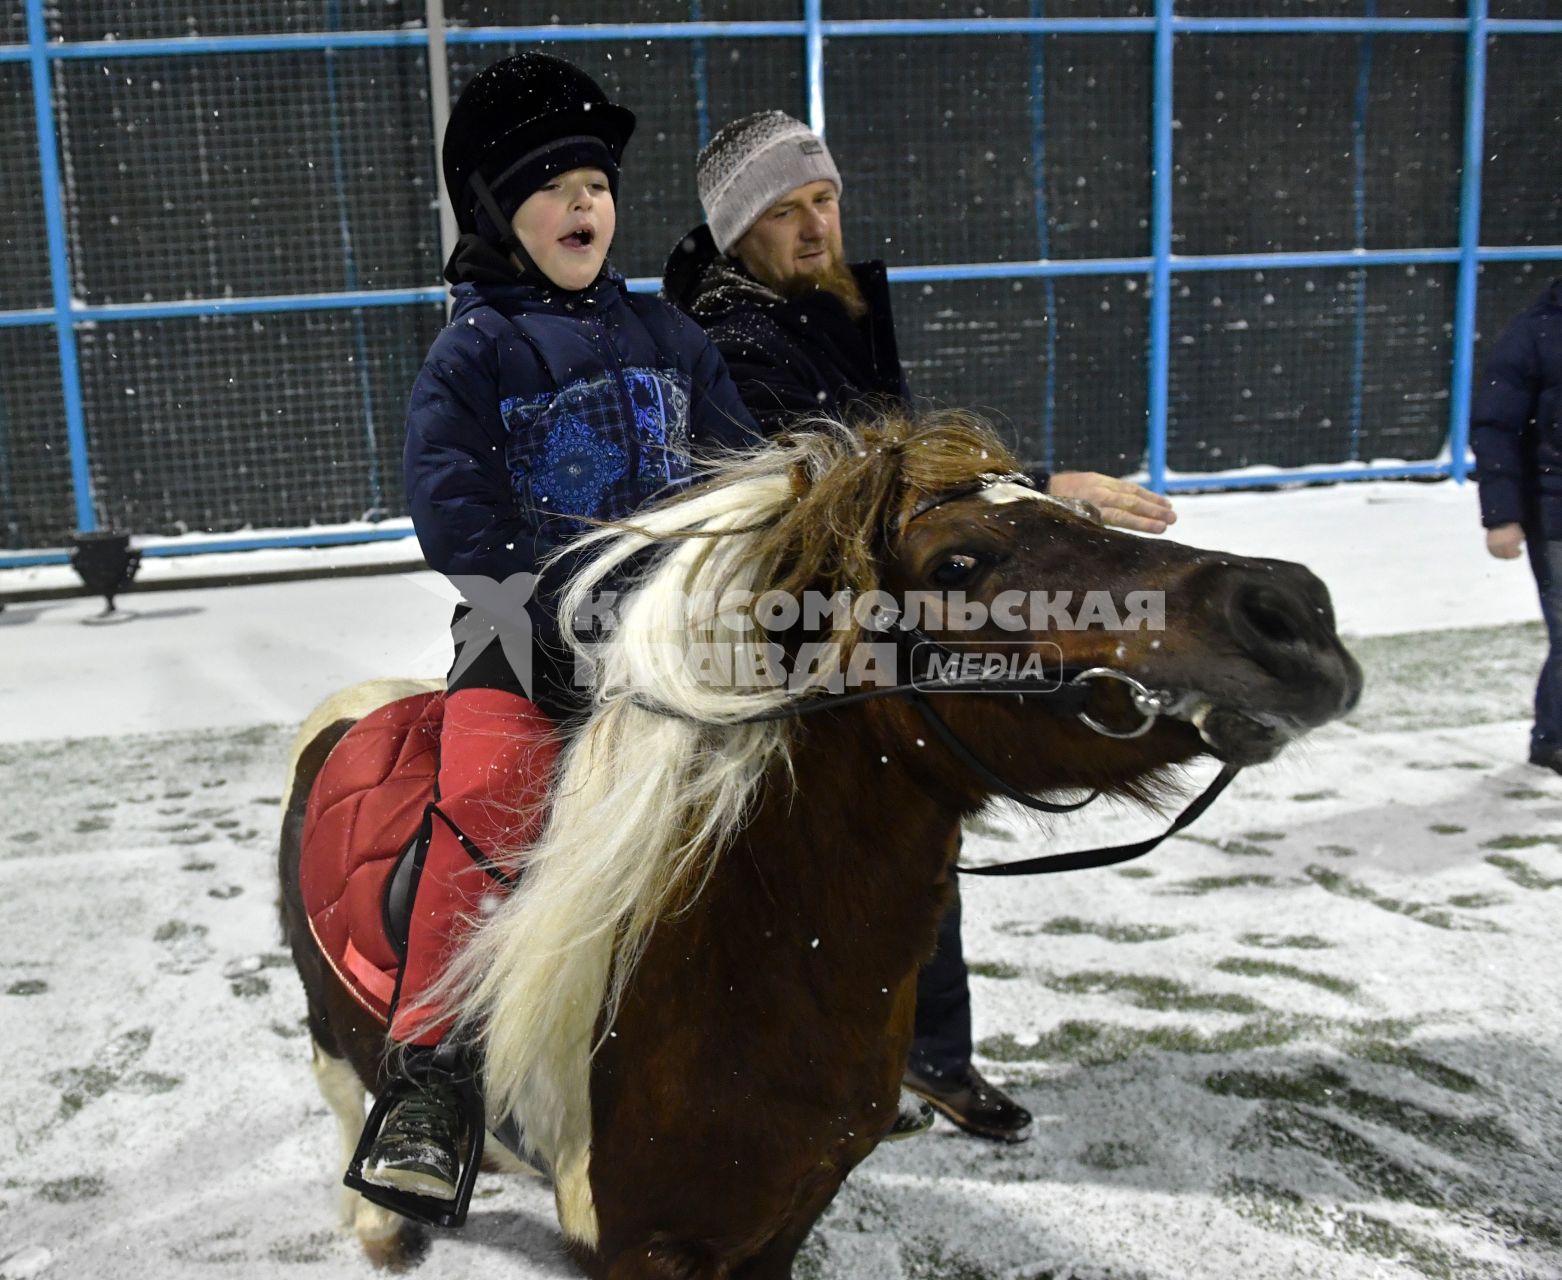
698,1002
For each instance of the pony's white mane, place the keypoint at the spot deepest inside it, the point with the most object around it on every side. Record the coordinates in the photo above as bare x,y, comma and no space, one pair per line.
646,798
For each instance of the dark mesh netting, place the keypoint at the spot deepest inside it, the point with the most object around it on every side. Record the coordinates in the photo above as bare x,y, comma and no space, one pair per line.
1297,368
466,13
1059,363
930,179
1322,8
36,507
249,174
155,19
1523,9
1521,200
217,174
24,245
268,421
1266,157
848,9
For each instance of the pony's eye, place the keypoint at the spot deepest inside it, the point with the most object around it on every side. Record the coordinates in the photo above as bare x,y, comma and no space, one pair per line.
955,569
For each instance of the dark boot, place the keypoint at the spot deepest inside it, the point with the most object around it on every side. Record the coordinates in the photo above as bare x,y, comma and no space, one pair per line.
1547,758
973,1104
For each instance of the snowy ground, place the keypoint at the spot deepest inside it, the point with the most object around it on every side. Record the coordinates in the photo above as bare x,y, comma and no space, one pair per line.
1314,1037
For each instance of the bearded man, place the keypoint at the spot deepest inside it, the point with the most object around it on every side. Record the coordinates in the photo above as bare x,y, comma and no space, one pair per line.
804,334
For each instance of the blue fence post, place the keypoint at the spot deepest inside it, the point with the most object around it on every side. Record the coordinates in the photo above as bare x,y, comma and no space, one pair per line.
701,65
1469,243
59,267
813,44
1358,364
1049,291
1160,246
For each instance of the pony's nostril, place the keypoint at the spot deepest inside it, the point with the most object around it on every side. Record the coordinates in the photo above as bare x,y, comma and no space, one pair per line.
1269,615
1272,622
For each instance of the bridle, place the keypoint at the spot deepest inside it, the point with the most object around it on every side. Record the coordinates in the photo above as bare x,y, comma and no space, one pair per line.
1068,694
1069,697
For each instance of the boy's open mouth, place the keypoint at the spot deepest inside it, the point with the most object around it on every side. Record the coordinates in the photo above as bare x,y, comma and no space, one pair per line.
580,239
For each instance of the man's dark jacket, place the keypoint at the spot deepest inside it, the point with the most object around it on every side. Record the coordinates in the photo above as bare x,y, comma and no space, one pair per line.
790,356
1516,422
795,356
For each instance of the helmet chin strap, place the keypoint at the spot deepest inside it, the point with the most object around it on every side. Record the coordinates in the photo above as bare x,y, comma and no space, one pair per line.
509,242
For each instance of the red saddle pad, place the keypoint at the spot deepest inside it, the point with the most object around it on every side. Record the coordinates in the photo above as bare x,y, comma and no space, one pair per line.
365,807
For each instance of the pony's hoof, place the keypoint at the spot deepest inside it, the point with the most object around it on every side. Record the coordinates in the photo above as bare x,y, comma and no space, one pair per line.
401,1249
390,1242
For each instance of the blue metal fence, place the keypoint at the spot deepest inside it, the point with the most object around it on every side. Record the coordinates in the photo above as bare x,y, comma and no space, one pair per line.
1160,264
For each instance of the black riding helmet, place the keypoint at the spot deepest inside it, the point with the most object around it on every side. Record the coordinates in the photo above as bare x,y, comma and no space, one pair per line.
516,124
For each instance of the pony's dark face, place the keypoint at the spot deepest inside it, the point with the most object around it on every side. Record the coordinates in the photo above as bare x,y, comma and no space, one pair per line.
1244,650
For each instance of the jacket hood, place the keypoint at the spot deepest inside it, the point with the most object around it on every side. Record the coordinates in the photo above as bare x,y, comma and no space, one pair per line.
704,282
685,265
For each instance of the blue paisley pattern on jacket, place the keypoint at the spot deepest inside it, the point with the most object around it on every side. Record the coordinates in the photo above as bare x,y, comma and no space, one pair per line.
599,447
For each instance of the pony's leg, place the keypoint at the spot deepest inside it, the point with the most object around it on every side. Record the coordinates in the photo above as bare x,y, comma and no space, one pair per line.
497,1158
774,1261
344,1094
378,1230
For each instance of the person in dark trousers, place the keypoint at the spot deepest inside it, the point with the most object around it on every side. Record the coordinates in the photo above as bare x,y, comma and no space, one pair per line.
1516,432
554,396
805,333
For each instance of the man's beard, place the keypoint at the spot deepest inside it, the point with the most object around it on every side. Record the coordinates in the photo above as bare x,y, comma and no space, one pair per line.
836,278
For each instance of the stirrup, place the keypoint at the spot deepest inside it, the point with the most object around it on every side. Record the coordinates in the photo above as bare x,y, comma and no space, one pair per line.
421,1208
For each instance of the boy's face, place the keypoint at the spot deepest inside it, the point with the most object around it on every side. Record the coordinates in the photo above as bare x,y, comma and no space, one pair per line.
797,240
567,225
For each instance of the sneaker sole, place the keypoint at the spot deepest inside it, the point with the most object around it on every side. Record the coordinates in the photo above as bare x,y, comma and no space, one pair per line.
411,1180
900,1135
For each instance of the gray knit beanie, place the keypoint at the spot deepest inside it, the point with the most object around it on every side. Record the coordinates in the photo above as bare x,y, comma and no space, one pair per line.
751,164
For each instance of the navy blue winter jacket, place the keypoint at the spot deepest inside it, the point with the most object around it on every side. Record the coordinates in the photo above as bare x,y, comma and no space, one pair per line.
537,405
1516,421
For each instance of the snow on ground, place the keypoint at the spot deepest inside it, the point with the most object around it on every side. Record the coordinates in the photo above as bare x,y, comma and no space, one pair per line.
1316,1036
